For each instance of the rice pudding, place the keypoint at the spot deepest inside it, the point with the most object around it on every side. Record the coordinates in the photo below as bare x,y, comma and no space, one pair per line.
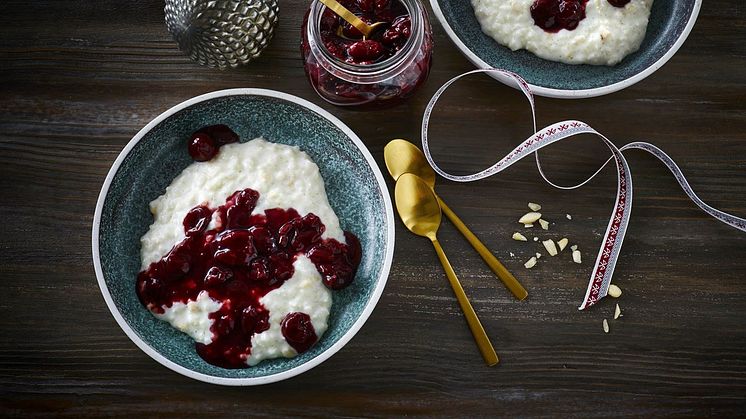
600,32
245,251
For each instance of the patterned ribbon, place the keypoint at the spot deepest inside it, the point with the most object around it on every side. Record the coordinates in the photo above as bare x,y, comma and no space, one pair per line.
611,245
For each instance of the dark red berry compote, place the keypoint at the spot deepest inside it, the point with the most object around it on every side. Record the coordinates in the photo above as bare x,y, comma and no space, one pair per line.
346,68
232,256
238,262
347,44
555,15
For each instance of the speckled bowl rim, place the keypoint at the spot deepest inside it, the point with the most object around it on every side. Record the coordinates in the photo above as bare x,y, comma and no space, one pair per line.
570,93
323,356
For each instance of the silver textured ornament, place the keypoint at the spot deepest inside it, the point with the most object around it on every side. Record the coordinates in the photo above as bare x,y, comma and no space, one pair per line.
222,33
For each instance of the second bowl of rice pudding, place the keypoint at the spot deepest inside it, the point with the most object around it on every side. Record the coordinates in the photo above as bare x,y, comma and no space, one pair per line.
585,49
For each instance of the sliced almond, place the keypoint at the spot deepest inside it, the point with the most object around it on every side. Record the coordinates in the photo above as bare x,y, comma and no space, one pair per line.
538,255
606,326
615,291
534,207
576,256
528,225
574,247
544,224
617,312
569,217
520,237
551,248
562,243
530,218
530,263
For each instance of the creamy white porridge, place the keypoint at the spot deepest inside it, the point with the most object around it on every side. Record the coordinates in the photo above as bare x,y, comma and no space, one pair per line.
605,36
192,317
286,180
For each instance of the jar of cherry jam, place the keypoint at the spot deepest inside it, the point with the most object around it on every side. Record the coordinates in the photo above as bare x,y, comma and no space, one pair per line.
347,69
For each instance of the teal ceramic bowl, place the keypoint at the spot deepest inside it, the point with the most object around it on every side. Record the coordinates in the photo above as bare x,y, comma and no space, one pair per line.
669,25
157,154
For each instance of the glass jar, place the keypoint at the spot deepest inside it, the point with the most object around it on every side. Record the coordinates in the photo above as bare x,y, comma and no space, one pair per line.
380,83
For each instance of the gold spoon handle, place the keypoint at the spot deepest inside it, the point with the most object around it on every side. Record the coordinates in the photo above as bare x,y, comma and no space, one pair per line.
483,341
505,276
347,15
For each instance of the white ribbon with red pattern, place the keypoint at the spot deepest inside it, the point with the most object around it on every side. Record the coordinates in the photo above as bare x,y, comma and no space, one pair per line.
611,245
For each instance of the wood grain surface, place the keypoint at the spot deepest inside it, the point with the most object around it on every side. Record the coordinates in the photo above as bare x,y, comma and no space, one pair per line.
80,78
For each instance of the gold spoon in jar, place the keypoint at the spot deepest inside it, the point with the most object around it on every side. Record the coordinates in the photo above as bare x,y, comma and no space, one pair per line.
350,17
419,210
402,157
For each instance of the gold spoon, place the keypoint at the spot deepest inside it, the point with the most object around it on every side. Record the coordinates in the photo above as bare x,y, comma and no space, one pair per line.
350,17
401,157
419,210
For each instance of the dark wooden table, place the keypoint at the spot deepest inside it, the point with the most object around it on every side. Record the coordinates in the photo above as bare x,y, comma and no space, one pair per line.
80,78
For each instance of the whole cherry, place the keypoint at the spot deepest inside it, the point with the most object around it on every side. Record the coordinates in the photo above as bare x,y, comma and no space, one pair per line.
202,147
365,50
298,331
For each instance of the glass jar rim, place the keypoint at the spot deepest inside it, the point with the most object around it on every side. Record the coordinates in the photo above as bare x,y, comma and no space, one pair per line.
375,72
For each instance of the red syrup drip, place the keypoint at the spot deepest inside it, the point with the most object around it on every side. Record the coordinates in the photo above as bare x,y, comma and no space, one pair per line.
555,15
238,262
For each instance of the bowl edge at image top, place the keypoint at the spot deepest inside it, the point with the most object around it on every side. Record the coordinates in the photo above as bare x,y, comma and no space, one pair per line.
375,295
570,93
